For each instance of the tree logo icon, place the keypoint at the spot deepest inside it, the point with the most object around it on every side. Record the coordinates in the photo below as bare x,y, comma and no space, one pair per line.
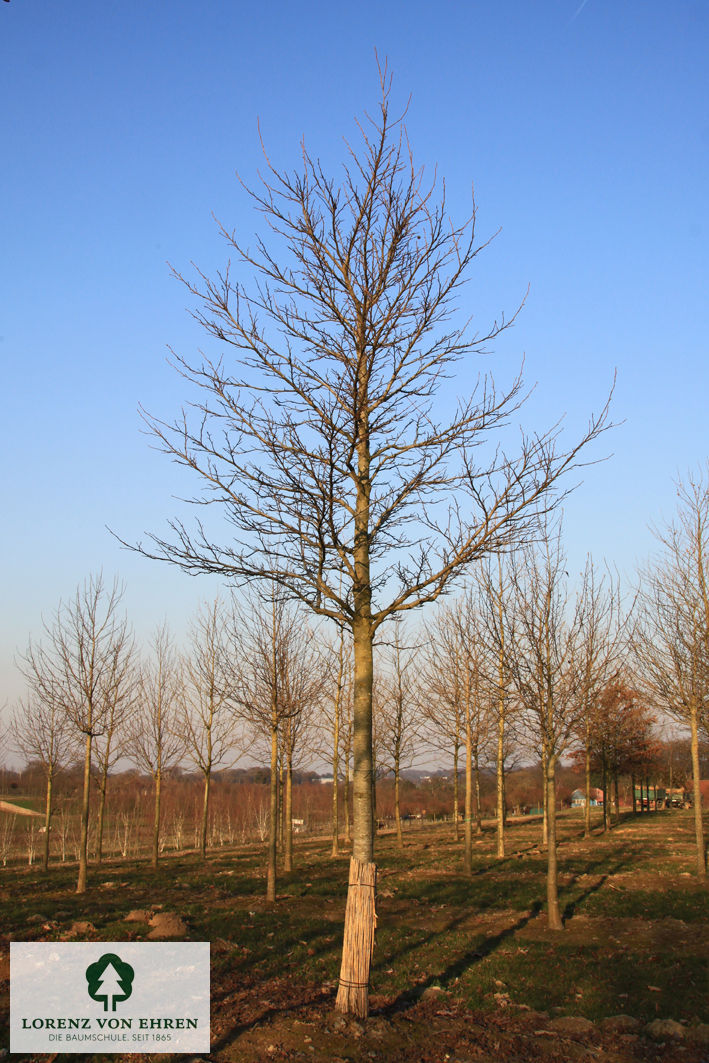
110,980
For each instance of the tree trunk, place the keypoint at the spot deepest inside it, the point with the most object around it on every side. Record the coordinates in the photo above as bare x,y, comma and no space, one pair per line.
288,807
468,853
587,807
617,798
336,771
358,946
273,813
347,792
632,787
353,992
103,785
697,796
205,812
500,781
84,839
456,788
156,818
360,915
554,915
47,814
397,803
281,813
545,800
604,786
478,807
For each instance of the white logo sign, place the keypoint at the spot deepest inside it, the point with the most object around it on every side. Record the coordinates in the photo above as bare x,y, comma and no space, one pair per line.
99,996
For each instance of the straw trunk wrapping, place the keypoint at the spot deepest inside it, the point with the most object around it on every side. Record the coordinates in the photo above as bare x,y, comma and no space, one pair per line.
358,946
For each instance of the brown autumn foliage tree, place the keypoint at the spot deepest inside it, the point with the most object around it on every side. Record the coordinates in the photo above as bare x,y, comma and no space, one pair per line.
317,431
620,739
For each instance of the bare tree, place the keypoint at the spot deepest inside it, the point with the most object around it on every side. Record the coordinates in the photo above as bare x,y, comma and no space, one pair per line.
495,585
302,683
601,642
85,646
478,714
155,740
672,633
208,689
119,702
322,441
544,672
442,704
41,734
278,668
455,694
334,704
400,715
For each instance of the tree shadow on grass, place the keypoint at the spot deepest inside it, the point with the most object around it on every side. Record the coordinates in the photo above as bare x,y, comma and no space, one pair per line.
409,998
571,906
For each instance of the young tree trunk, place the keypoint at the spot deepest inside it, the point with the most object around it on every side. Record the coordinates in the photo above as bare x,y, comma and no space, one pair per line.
273,814
478,806
554,915
456,787
545,800
358,945
468,854
617,797
335,773
281,813
84,839
205,814
47,815
604,786
103,785
360,914
347,790
397,803
156,818
501,781
697,795
587,807
501,709
288,816
647,791
632,787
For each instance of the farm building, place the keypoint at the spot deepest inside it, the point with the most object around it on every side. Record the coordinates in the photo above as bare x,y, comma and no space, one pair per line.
578,798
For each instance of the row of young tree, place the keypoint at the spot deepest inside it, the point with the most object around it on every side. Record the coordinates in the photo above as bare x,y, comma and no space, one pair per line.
523,665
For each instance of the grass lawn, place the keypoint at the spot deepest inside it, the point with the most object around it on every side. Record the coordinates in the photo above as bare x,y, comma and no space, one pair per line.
462,963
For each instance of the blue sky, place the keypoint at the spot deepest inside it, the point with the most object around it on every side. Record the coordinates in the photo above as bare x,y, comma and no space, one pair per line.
584,127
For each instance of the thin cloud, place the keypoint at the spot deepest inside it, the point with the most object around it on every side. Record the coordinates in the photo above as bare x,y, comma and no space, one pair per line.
579,9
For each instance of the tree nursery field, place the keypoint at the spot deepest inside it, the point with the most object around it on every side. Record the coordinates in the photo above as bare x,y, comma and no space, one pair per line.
465,967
